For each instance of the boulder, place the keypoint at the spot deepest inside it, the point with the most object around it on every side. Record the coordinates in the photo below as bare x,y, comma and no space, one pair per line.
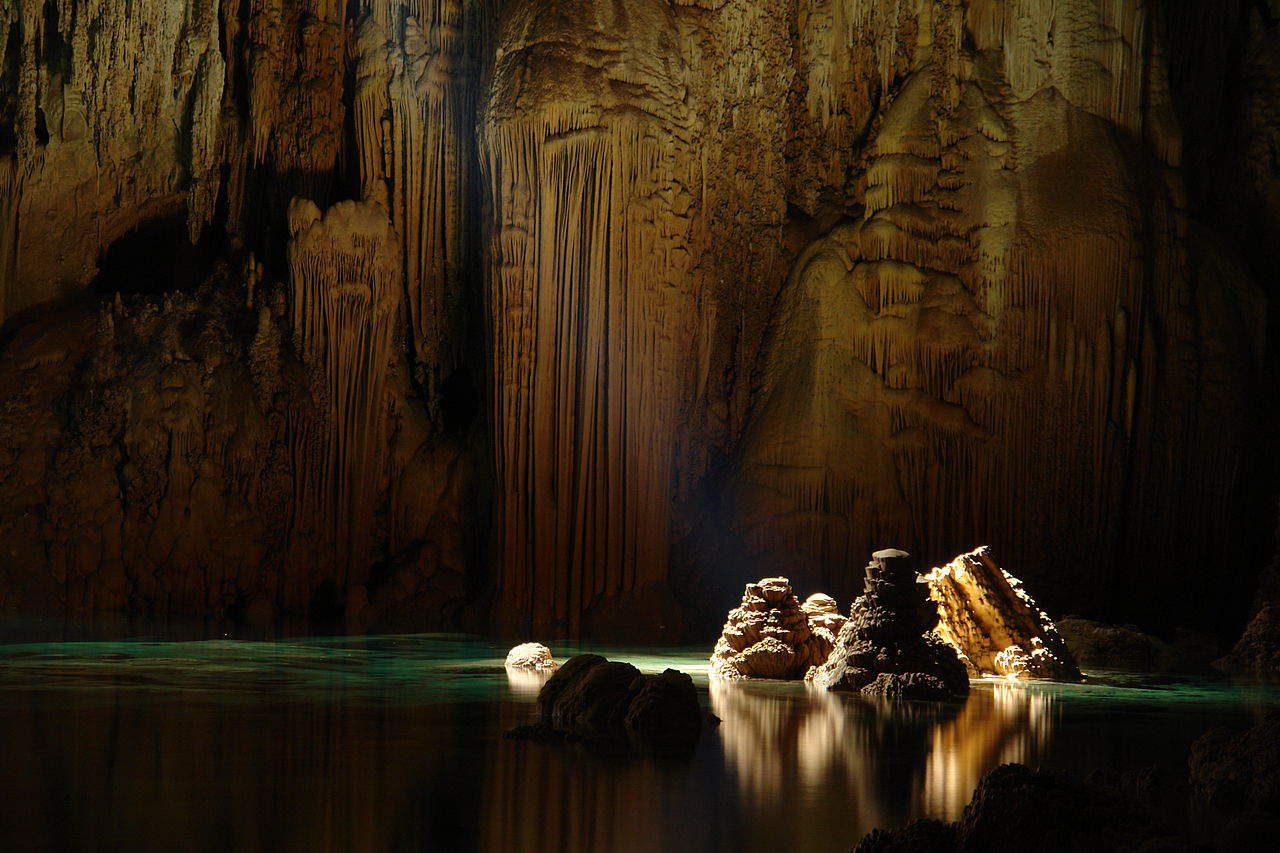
1239,772
1258,649
771,635
994,623
612,703
531,656
887,647
1016,809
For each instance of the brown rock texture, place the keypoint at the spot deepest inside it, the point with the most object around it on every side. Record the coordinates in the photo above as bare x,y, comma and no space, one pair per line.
653,289
611,703
771,635
888,648
994,623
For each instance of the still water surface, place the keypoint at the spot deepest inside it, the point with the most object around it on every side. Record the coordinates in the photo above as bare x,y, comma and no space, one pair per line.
395,743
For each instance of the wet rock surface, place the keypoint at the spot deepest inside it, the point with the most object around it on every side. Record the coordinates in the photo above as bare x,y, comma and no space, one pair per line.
612,704
888,646
771,635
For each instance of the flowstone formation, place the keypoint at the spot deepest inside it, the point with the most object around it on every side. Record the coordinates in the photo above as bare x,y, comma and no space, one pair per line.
993,622
771,635
677,285
888,647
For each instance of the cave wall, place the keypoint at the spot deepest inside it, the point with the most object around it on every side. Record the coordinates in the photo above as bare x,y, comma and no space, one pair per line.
572,314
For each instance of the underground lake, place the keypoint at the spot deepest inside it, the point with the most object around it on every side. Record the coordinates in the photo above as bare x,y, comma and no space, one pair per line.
396,742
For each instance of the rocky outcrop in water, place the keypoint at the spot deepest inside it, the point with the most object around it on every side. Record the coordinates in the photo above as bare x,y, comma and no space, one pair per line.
888,646
1102,646
613,704
1016,809
531,656
1239,771
994,623
771,635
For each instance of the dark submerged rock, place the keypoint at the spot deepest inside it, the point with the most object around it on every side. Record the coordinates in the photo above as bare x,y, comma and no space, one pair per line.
612,703
1017,809
888,647
1239,771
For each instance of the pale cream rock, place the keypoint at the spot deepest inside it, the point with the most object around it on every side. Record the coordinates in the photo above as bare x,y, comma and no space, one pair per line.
770,635
995,624
533,656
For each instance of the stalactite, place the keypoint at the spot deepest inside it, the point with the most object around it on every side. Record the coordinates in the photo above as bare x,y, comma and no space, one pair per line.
345,286
590,345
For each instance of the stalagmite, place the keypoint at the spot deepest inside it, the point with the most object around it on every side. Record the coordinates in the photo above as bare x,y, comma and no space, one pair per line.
345,285
993,622
771,635
888,647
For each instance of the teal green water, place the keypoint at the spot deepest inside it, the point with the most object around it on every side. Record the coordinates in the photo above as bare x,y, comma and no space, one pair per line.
394,743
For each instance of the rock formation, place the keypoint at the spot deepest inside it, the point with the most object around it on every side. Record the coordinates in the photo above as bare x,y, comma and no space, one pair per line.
1015,808
531,656
1100,646
610,702
888,646
771,635
1240,771
995,625
345,288
677,286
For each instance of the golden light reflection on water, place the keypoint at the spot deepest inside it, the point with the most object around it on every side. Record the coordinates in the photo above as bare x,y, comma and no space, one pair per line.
890,757
1000,723
397,744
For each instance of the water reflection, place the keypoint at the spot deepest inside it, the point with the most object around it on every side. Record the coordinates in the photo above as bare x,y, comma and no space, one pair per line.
396,743
789,750
525,682
1001,722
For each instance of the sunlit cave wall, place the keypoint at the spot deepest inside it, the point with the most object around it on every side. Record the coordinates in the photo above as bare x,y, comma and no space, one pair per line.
574,315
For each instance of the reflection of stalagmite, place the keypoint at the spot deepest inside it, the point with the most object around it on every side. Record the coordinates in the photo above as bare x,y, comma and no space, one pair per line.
1015,725
984,612
345,283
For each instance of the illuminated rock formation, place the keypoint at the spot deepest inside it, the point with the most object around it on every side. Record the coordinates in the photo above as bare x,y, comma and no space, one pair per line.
531,656
888,646
824,614
995,625
771,635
